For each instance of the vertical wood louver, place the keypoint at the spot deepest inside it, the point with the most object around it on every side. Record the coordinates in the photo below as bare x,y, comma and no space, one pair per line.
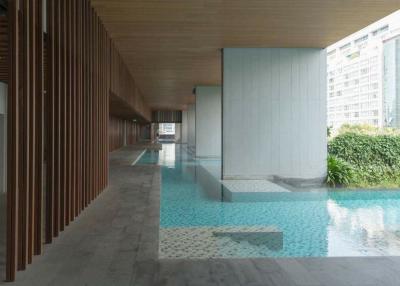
121,132
59,85
167,116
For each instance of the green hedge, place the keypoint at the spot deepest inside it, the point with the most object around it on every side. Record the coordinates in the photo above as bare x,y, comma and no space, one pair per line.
375,160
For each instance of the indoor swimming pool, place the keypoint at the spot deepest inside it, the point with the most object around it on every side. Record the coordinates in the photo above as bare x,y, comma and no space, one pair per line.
202,217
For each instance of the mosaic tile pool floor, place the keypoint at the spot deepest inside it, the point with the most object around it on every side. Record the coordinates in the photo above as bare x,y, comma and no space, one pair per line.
219,242
204,218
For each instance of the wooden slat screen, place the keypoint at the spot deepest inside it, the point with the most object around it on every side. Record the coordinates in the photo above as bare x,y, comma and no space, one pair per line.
25,134
116,136
119,128
124,87
132,133
167,116
77,111
58,117
4,60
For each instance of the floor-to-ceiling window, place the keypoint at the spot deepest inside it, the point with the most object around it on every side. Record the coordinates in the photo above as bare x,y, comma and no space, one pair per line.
166,131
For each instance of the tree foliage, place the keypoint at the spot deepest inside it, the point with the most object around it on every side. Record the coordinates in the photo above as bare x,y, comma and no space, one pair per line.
374,159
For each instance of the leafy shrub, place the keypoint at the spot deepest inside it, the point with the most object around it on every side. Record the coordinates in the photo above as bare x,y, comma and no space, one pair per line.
375,159
339,171
362,150
367,129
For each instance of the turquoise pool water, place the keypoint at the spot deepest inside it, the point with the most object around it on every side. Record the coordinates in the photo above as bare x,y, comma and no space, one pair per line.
313,223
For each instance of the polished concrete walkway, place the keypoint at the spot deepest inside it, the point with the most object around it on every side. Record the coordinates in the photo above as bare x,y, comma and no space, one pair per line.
115,242
119,229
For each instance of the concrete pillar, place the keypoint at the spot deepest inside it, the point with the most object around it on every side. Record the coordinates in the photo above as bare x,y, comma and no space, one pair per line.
178,133
3,137
125,132
208,121
274,113
184,127
145,132
154,131
192,128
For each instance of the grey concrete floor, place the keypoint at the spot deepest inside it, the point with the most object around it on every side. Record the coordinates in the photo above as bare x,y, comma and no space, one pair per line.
115,242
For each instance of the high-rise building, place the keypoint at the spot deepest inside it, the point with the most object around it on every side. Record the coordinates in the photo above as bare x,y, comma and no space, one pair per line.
356,73
391,82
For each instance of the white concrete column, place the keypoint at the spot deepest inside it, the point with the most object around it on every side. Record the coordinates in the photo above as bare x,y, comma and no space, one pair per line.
3,98
178,133
274,113
125,133
154,129
3,137
184,127
192,128
208,121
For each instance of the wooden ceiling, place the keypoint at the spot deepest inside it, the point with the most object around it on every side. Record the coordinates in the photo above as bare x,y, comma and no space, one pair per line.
172,45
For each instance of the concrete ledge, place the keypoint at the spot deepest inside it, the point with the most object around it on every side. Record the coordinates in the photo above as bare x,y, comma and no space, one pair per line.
272,239
302,183
241,177
295,182
208,157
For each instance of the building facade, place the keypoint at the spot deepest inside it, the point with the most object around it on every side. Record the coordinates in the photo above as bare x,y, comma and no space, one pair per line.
356,91
391,82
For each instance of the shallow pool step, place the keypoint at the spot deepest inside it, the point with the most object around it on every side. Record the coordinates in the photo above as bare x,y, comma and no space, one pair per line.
253,186
272,238
219,242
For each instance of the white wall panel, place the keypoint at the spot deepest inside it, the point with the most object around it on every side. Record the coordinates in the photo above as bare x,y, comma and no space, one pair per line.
192,127
184,127
178,132
208,121
274,113
3,98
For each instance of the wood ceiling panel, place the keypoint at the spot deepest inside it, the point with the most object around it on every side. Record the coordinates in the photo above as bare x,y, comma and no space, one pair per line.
171,46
